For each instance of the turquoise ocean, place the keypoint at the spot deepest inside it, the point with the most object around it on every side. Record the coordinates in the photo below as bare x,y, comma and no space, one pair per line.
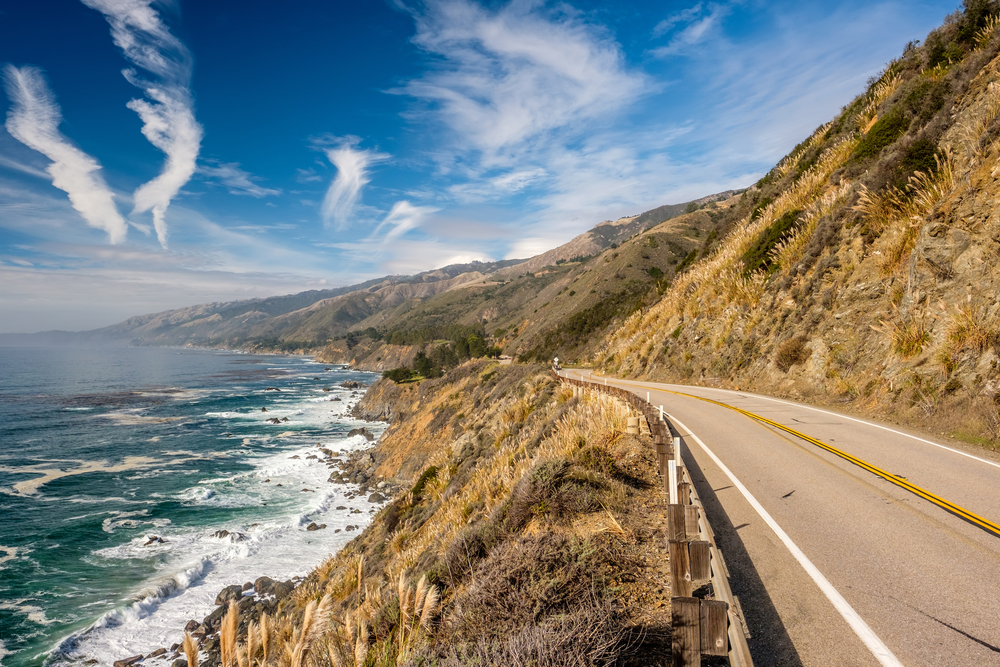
106,452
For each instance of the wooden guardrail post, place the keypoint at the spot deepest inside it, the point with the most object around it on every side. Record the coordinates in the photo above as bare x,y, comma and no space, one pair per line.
714,627
680,569
685,621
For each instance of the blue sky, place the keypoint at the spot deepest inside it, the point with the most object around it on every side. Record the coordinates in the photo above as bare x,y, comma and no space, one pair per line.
162,154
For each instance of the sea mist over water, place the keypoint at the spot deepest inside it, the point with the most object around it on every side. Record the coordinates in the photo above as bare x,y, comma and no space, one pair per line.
102,449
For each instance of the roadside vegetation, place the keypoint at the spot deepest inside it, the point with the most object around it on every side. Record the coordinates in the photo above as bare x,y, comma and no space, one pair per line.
526,537
859,269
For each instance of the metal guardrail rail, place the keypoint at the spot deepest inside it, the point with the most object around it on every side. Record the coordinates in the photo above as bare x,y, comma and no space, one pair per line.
706,617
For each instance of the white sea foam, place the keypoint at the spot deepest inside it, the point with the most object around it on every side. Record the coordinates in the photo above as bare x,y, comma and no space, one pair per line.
196,564
124,520
7,554
34,613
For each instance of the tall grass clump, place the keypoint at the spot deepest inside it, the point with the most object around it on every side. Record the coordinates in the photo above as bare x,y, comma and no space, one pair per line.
878,93
908,337
902,214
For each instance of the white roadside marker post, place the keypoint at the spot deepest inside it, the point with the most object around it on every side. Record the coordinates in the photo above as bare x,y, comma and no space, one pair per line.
672,481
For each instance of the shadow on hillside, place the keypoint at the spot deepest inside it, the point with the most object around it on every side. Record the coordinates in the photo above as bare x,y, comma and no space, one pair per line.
769,642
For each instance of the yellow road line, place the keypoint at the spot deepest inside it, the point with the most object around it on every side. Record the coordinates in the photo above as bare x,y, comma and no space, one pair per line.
958,511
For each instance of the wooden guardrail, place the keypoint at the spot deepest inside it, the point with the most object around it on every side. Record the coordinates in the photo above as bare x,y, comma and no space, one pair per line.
706,618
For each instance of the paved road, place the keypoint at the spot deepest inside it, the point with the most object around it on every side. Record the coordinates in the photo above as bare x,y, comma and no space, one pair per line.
884,576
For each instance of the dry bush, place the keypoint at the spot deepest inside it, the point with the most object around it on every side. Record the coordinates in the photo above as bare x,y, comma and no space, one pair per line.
595,634
529,579
793,351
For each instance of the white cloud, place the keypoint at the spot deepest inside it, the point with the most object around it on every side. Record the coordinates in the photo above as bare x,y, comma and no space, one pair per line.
307,176
238,181
23,168
409,256
168,119
34,120
507,183
345,189
403,218
683,16
506,80
700,21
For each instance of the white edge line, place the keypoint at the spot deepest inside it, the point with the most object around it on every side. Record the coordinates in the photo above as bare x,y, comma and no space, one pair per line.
853,419
864,632
832,414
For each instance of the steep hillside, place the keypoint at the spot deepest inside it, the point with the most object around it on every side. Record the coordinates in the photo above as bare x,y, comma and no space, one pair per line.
529,529
862,268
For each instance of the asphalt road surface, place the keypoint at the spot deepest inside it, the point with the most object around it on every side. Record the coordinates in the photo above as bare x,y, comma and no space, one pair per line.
834,564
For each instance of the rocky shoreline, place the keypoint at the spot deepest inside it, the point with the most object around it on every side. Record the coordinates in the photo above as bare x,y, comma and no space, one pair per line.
264,595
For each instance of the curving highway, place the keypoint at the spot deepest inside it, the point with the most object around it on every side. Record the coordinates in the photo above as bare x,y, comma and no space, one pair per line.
848,542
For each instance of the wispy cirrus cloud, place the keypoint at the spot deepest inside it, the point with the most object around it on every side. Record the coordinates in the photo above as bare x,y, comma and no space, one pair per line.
235,179
34,120
697,21
682,16
168,114
504,81
353,168
403,218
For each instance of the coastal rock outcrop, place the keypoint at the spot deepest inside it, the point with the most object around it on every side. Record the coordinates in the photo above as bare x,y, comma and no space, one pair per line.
229,593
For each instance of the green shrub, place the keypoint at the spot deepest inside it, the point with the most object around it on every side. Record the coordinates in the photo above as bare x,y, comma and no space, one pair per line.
885,131
654,273
759,208
598,459
926,98
919,156
687,261
425,476
758,254
399,375
423,366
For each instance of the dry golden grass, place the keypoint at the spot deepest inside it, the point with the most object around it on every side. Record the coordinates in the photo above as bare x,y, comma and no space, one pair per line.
718,283
227,635
364,597
190,647
899,215
789,252
908,337
986,33
879,93
969,328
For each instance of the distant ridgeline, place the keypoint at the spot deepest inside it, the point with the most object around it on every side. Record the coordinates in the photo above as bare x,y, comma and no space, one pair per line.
560,302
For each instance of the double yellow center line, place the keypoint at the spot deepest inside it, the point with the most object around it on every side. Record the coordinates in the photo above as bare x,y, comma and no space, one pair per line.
958,511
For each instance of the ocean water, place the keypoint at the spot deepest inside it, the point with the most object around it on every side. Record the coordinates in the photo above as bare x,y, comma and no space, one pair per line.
103,449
